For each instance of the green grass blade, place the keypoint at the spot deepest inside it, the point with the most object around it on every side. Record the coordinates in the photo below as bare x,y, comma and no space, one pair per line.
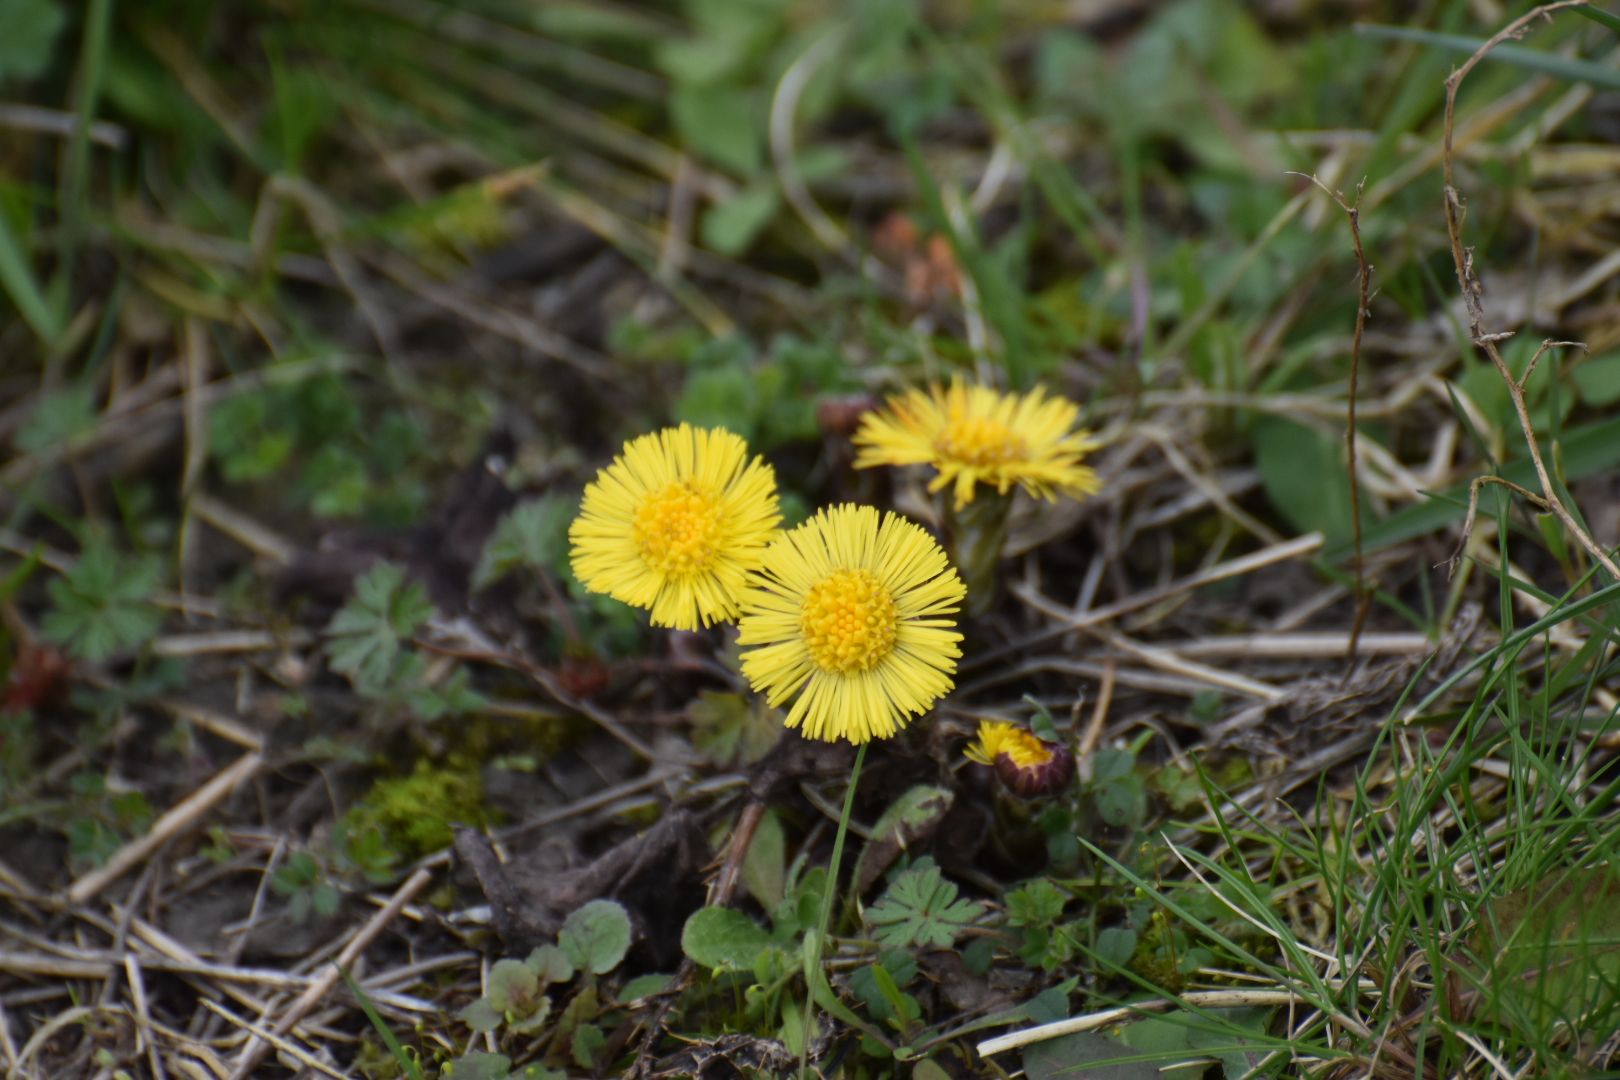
76,181
384,1032
1600,17
1545,63
17,278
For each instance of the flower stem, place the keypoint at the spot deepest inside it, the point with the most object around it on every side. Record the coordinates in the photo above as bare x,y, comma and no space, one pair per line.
827,896
978,535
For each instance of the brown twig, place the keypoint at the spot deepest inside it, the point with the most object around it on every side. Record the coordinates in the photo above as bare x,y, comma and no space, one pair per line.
1472,290
1352,211
1473,511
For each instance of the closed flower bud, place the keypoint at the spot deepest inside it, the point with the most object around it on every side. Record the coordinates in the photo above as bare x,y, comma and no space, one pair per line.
1026,765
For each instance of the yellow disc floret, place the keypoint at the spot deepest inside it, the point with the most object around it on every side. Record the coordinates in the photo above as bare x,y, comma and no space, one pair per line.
849,622
677,528
979,441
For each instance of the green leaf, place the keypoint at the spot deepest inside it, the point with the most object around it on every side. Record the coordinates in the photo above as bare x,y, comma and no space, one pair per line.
480,1016
534,536
588,1040
1122,801
914,815
1116,944
721,397
1304,476
406,1060
724,940
1521,56
1088,1054
363,638
28,33
1598,380
477,1065
1038,903
730,227
513,986
642,986
596,936
764,868
920,908
731,729
724,124
550,965
102,606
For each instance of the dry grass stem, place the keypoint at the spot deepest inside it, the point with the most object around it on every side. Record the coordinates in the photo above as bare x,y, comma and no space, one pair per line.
178,820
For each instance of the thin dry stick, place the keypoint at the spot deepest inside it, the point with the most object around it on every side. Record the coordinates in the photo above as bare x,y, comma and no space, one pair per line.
1473,511
143,1015
280,1042
1352,211
1099,716
1473,290
176,821
258,1047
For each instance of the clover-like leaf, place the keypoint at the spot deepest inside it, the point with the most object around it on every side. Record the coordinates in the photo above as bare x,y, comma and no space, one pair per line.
102,605
920,907
534,536
363,638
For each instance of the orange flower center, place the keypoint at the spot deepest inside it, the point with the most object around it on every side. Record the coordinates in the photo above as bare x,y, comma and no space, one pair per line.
849,622
677,528
976,440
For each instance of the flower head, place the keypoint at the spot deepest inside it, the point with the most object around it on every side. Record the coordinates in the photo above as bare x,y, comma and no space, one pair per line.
852,614
974,434
675,524
1025,763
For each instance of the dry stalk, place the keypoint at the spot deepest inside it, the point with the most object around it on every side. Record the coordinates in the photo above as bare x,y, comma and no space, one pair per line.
1352,211
170,825
1473,290
1474,487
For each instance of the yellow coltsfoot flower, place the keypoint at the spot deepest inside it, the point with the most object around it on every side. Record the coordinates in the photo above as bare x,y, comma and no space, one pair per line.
852,613
675,524
976,434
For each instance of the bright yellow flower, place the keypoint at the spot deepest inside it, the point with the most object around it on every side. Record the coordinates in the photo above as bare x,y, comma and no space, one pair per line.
675,524
852,614
975,434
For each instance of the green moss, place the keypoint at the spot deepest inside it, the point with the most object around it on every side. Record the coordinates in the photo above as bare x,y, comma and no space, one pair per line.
414,813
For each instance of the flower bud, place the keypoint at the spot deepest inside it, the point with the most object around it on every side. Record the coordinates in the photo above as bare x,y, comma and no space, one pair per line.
1026,765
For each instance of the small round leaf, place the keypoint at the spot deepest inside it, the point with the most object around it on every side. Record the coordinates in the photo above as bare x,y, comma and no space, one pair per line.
596,937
